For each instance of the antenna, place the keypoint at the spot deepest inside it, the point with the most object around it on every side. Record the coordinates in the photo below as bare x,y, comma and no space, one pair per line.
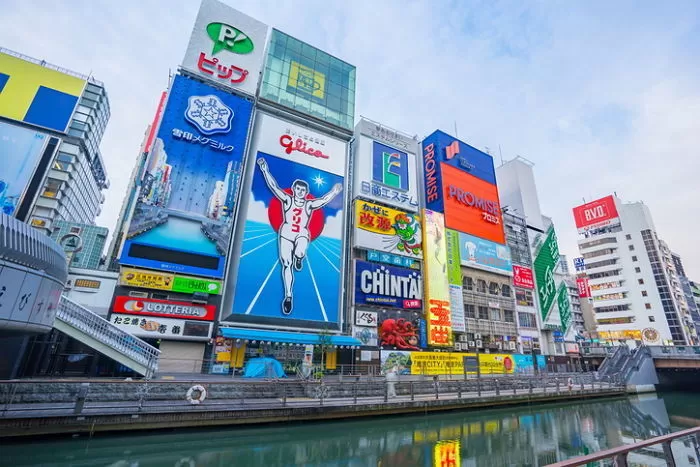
456,134
500,153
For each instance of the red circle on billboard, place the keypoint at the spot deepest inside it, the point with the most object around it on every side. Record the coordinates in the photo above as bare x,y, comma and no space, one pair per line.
275,214
507,363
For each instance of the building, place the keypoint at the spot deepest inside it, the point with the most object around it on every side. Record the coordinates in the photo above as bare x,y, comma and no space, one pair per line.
686,300
82,243
633,284
56,171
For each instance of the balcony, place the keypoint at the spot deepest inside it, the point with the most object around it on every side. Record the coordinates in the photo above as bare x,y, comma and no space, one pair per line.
618,277
608,268
615,302
599,292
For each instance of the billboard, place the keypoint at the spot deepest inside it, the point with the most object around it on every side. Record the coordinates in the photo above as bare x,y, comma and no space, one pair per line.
21,150
583,290
440,150
454,278
437,289
580,264
482,254
37,95
522,277
226,47
384,171
596,214
184,215
377,284
472,205
165,281
452,363
400,330
387,230
367,335
163,308
394,260
163,328
545,263
564,305
290,261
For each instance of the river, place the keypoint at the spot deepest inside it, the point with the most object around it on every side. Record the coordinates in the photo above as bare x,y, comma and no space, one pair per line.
525,436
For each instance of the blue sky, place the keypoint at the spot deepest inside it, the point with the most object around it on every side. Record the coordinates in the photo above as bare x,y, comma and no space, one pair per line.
601,96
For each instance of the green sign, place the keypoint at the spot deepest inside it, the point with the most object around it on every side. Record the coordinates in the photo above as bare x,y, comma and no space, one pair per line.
545,263
564,307
190,285
229,38
454,270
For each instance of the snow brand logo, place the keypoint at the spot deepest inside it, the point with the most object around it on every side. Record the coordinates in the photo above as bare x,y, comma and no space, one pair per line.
209,114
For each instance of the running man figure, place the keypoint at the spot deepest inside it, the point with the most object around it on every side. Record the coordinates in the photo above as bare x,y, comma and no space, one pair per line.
294,234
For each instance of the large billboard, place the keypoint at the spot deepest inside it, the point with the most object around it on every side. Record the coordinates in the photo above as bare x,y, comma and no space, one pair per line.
377,284
437,288
37,95
522,277
564,304
400,330
226,47
387,230
596,214
385,167
478,253
146,279
544,265
163,308
453,363
472,205
290,262
21,150
454,277
184,216
163,328
441,149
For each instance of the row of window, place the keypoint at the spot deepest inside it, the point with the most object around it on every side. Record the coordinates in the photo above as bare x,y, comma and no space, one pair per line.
593,254
493,288
601,241
487,313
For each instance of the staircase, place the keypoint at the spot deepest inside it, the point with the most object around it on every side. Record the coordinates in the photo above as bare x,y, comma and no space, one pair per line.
85,326
614,363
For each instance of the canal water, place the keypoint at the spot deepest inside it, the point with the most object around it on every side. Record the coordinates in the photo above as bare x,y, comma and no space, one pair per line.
526,436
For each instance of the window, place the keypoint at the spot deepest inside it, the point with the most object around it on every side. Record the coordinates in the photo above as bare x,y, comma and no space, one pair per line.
631,247
628,237
527,320
494,288
469,311
641,281
638,270
652,319
51,188
481,286
505,290
647,306
508,316
644,293
495,314
468,283
634,258
483,312
524,297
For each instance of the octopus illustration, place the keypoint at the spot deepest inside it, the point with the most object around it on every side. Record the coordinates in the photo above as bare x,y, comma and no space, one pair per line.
398,333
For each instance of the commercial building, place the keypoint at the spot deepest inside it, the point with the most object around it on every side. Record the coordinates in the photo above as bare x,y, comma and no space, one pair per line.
630,271
82,243
52,121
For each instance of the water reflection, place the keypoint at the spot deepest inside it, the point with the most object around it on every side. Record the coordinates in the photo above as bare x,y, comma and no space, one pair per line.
524,437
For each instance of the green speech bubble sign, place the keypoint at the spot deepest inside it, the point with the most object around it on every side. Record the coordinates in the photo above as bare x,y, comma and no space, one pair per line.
229,38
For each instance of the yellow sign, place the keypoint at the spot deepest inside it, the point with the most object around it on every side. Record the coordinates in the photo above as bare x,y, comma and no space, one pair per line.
447,454
387,230
146,279
87,283
35,94
452,363
437,290
495,363
624,334
307,80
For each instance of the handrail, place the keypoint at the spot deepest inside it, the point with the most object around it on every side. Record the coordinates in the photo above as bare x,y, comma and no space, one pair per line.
621,452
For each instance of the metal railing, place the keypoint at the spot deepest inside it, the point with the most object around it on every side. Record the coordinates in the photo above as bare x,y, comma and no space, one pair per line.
51,66
680,352
618,456
107,333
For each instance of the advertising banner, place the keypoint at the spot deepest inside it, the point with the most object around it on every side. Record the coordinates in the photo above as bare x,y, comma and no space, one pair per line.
165,308
394,260
483,254
564,304
522,277
544,265
380,285
472,205
440,150
21,151
437,290
367,335
366,318
596,214
183,219
226,47
583,290
387,230
580,264
290,262
163,328
37,95
400,330
454,278
452,363
165,281
386,173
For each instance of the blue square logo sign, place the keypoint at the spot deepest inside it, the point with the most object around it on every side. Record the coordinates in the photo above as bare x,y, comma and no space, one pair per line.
389,167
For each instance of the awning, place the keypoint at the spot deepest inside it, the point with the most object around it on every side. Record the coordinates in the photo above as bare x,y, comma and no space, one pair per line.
262,335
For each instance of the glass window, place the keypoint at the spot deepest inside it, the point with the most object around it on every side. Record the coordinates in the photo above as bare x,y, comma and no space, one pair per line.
652,319
494,314
468,283
481,286
523,297
631,247
628,237
641,281
634,258
644,293
469,311
483,312
527,320
505,290
494,288
637,270
509,316
51,188
647,306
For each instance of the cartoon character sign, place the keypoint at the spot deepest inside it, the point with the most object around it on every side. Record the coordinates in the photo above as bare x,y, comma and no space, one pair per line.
387,230
408,232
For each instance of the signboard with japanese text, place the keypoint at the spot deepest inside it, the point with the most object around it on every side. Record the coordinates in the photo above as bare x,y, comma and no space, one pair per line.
596,214
564,304
163,328
183,219
146,279
365,318
226,47
584,290
380,285
394,260
544,265
580,264
437,290
289,269
164,308
522,277
387,230
454,277
385,171
483,254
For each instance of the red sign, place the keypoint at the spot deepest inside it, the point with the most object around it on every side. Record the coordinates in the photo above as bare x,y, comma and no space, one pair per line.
290,144
222,72
165,308
522,277
583,290
598,213
412,304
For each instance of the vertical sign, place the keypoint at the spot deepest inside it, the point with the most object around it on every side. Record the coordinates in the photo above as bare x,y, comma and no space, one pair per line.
454,277
583,289
564,305
437,291
545,263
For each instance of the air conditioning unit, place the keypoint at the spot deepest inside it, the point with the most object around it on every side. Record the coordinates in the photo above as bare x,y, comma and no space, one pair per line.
458,346
477,336
499,345
472,344
463,338
479,342
511,345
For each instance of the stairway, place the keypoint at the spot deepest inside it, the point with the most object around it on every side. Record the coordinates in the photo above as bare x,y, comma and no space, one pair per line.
85,326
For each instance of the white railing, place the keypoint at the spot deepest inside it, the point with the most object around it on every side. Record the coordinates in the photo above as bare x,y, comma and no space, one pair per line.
107,333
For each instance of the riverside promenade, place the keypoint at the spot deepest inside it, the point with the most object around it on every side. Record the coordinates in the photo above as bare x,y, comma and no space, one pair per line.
42,407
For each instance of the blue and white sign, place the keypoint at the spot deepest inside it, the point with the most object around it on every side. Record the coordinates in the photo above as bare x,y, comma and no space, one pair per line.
394,260
388,286
183,219
579,264
483,254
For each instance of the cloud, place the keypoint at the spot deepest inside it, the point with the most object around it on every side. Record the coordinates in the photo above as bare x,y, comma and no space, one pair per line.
257,212
334,226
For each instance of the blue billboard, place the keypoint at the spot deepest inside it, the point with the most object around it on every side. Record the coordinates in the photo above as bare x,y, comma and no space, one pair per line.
440,148
377,284
183,218
483,254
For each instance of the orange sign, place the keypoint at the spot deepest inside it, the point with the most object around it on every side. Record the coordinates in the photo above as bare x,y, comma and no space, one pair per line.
471,205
